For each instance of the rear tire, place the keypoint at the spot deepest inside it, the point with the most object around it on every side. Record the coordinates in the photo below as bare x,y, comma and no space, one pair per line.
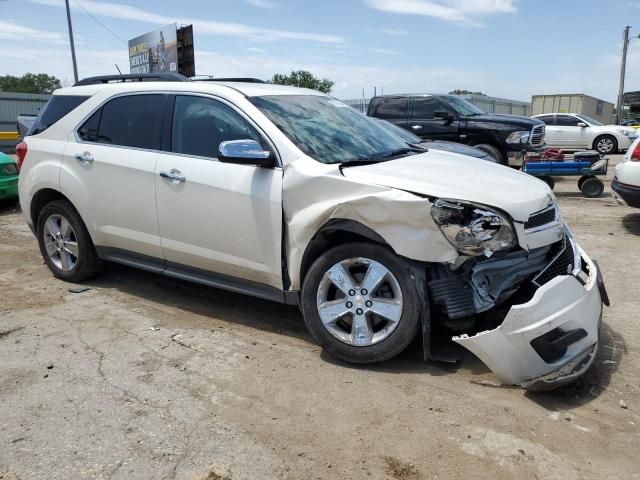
605,144
65,243
343,315
493,151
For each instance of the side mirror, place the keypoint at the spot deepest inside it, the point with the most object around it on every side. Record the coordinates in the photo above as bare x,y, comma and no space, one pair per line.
582,124
245,152
443,115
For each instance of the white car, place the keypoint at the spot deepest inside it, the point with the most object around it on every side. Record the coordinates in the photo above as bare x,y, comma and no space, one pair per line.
573,131
290,195
626,177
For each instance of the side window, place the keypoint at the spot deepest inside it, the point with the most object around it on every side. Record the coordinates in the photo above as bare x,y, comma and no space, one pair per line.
392,108
547,119
89,129
567,121
57,107
424,108
201,124
128,121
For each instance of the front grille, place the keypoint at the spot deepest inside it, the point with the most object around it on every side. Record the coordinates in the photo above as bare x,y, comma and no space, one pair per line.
563,256
537,135
543,217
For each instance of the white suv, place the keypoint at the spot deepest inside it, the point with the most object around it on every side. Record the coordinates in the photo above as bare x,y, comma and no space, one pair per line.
290,195
574,131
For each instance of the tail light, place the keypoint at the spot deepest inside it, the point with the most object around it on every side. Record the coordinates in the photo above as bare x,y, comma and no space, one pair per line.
21,152
635,156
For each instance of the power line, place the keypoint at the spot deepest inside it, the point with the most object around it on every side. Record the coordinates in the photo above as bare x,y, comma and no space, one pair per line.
100,23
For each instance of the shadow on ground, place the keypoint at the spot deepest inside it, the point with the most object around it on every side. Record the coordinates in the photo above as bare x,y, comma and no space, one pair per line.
631,223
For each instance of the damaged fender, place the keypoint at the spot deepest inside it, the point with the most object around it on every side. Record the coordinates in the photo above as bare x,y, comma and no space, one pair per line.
315,193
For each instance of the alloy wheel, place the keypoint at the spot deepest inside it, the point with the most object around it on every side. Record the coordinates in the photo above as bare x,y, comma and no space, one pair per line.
605,145
60,242
359,301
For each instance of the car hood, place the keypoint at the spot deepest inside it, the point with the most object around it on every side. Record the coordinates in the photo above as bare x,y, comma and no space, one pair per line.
525,123
456,148
615,128
449,175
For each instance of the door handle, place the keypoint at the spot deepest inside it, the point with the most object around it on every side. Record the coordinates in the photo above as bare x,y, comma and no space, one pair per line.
174,175
84,157
417,127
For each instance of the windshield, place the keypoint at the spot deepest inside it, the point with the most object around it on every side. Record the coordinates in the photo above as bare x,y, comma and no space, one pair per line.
591,121
405,135
328,130
462,106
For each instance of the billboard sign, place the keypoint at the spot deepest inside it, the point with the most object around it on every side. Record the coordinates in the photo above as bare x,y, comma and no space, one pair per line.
155,51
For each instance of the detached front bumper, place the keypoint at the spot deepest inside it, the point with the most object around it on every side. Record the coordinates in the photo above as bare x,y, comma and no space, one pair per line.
550,340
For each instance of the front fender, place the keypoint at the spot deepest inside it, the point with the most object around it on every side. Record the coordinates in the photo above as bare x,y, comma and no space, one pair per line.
315,194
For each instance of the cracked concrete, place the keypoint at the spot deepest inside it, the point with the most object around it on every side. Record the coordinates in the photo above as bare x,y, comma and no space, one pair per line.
145,377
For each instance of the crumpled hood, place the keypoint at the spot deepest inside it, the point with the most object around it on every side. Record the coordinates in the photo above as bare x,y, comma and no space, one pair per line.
449,175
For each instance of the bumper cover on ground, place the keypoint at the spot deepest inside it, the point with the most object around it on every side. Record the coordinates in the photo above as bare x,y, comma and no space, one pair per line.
563,303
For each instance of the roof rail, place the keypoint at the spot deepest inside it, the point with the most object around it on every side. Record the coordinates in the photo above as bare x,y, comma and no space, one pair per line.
133,77
231,79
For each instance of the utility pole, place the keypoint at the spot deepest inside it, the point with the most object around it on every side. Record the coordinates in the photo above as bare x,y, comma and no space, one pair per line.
73,48
625,46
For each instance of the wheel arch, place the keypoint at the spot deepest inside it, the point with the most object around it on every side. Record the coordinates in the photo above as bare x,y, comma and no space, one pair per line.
43,197
337,232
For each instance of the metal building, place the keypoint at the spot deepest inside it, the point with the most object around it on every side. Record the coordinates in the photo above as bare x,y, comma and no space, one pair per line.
574,103
12,105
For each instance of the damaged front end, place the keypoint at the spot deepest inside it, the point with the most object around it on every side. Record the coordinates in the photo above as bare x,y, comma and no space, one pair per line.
532,317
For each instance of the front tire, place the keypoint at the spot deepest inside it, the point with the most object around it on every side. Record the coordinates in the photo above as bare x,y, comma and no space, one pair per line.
493,151
360,304
65,243
605,144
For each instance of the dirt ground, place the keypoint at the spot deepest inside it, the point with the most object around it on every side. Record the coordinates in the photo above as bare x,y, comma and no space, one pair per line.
144,377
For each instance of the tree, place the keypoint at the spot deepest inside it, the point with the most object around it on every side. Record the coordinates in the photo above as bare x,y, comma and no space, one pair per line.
465,92
303,78
29,83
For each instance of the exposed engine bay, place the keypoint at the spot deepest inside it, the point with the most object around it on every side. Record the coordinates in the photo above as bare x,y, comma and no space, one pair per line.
481,285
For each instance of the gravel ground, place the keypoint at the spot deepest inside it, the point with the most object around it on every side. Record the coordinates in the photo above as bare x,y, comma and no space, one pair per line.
143,377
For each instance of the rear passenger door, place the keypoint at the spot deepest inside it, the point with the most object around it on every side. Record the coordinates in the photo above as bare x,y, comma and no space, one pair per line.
424,123
109,173
392,109
222,220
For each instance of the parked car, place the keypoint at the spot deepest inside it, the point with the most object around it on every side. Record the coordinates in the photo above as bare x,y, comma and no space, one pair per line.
507,138
453,147
631,122
290,195
626,177
575,131
8,179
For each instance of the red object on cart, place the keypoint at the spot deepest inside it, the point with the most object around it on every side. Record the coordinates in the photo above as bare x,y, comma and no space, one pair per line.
553,155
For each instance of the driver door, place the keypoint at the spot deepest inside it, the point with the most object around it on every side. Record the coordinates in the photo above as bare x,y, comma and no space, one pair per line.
213,217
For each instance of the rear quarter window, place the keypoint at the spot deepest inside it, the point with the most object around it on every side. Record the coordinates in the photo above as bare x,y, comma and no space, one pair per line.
57,107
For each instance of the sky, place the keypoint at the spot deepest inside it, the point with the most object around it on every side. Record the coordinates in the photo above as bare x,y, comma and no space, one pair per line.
504,48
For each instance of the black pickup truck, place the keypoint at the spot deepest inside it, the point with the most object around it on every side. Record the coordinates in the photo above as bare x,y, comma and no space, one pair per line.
508,138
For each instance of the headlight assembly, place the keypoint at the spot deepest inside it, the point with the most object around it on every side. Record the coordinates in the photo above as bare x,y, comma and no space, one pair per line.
627,133
473,229
518,137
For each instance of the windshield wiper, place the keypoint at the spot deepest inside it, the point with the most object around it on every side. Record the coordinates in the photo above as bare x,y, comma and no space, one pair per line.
399,152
